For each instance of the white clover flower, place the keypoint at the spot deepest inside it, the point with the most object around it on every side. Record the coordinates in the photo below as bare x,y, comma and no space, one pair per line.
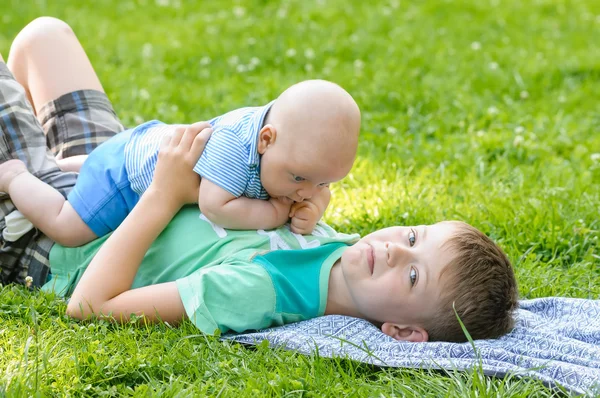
281,13
562,99
391,130
309,53
241,68
492,110
28,281
239,11
405,215
138,119
291,52
595,157
205,60
519,130
251,41
518,140
233,60
359,64
254,61
524,94
476,46
493,65
354,37
308,67
162,3
480,133
144,94
147,50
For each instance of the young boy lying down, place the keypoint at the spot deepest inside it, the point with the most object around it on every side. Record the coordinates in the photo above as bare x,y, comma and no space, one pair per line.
167,264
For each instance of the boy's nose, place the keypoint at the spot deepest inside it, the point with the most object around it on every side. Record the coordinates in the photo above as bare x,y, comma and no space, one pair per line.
397,254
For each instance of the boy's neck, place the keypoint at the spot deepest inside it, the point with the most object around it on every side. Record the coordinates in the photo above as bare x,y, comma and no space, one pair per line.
339,301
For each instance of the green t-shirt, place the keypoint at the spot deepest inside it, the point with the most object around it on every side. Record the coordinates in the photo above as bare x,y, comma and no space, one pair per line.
227,279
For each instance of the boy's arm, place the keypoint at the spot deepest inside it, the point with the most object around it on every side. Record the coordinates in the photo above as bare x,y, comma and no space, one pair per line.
105,287
229,211
305,215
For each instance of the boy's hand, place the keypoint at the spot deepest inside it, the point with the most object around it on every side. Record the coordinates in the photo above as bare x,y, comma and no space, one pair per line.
305,216
174,176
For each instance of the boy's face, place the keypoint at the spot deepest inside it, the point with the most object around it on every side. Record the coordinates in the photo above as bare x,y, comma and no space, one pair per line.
297,172
393,275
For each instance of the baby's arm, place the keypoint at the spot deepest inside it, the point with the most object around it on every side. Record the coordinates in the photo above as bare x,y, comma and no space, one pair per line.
306,214
228,211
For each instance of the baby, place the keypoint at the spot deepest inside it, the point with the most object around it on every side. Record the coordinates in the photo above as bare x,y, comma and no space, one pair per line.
261,166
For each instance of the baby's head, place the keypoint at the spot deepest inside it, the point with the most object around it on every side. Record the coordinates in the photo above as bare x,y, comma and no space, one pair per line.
309,139
409,280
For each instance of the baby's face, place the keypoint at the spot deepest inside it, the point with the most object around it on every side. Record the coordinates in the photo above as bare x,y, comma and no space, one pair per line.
393,275
298,174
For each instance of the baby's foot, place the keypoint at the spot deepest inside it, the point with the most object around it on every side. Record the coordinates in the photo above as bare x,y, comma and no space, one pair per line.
8,171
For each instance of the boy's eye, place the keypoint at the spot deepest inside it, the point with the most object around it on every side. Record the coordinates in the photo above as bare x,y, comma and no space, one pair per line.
412,237
298,178
324,184
413,276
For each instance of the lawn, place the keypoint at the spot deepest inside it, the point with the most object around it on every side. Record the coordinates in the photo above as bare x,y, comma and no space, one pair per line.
484,111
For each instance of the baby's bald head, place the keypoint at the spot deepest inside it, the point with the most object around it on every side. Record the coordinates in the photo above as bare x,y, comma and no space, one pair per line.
320,117
309,139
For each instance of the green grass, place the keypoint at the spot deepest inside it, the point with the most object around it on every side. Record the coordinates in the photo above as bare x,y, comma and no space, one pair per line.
482,111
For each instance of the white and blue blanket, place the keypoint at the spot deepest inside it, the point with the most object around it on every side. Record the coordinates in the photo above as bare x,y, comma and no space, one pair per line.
556,340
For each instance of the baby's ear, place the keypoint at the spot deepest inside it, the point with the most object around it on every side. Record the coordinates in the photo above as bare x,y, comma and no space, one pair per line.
266,137
414,334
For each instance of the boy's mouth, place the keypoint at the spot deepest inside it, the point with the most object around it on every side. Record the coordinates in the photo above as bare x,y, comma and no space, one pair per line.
371,258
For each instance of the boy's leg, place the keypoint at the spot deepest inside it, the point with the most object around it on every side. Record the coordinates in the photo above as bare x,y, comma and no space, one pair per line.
76,122
48,60
43,205
22,137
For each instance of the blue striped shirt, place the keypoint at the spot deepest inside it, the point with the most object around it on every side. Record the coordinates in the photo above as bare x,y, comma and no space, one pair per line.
230,159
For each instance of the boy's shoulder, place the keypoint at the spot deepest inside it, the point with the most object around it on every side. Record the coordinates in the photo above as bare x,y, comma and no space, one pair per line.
253,289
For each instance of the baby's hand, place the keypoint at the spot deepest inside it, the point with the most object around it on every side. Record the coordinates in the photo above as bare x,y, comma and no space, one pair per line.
305,216
282,209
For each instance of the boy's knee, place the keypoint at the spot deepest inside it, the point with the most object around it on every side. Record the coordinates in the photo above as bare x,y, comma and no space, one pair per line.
37,33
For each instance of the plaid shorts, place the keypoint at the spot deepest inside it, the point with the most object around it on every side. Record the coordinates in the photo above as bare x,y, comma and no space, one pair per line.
74,124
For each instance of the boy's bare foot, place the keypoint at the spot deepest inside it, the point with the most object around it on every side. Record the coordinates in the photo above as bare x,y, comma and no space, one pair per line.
8,171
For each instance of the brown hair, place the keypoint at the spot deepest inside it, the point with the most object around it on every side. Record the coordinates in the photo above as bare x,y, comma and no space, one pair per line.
480,284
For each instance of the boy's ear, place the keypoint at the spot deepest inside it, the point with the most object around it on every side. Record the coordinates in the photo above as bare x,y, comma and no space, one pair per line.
266,137
414,334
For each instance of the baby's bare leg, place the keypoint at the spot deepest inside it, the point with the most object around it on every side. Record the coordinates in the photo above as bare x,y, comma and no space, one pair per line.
43,205
72,163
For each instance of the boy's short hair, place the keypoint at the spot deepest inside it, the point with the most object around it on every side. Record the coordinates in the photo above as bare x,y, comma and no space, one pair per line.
480,283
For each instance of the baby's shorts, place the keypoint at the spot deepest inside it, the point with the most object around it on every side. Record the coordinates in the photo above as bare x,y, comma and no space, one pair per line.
102,195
